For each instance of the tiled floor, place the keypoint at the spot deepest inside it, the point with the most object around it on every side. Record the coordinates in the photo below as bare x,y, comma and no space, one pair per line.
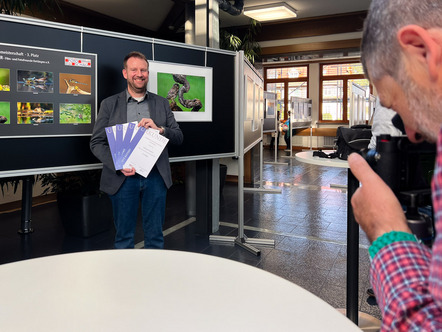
307,221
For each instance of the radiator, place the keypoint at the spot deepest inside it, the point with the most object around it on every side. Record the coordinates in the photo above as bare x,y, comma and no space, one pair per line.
329,141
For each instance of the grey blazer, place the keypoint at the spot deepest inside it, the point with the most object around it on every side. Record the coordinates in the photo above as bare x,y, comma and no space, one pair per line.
113,110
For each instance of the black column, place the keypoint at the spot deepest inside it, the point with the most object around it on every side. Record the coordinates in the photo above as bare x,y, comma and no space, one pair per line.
204,196
26,201
352,253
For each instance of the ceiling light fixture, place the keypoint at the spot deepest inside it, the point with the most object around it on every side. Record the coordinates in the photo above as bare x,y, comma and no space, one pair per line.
270,12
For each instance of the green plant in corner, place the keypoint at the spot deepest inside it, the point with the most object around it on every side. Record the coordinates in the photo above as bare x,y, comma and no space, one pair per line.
229,40
17,7
5,183
14,182
82,182
84,209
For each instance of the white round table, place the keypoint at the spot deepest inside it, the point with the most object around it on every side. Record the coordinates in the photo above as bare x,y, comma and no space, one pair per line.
307,157
155,290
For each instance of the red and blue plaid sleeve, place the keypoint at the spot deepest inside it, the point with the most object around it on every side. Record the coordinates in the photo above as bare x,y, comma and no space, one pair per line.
399,275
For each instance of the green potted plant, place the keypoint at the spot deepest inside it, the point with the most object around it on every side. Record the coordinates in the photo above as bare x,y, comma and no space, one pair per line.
84,209
17,7
14,182
229,40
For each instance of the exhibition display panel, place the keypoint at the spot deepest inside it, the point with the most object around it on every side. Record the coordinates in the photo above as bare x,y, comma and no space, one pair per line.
36,142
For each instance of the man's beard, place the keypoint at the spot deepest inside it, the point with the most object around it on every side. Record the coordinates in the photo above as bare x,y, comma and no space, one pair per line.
138,89
424,105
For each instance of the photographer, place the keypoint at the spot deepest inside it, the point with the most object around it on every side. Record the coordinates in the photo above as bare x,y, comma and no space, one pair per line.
402,56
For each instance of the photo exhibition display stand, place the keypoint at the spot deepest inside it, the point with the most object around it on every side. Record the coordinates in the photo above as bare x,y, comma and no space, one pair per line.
250,106
300,118
45,93
261,188
60,146
271,124
267,110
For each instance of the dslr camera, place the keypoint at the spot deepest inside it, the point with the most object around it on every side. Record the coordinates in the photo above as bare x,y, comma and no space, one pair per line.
407,168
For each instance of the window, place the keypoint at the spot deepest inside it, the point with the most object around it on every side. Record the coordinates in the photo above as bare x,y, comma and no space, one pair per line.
335,88
286,82
332,94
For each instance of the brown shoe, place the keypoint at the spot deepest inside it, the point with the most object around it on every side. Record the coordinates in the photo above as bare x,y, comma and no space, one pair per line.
370,292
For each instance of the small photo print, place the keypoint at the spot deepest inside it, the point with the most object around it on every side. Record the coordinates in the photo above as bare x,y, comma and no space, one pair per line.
75,84
35,81
35,113
5,85
5,112
75,114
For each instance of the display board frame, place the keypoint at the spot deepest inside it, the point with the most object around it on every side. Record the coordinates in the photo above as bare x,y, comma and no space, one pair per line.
202,140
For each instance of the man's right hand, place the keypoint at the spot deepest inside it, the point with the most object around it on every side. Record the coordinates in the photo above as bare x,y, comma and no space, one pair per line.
375,206
128,171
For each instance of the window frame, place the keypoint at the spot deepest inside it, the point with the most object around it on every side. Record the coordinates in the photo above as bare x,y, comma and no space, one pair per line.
344,79
286,82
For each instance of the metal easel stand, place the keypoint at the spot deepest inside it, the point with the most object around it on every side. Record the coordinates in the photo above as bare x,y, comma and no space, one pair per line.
276,157
291,156
242,240
276,147
261,189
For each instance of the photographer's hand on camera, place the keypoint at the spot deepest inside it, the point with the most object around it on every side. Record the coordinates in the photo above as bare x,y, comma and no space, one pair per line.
375,206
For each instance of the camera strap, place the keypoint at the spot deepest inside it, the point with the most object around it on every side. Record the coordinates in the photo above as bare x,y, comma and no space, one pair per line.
322,154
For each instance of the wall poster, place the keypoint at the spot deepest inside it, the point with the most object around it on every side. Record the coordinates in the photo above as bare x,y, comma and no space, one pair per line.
302,109
46,92
270,104
188,89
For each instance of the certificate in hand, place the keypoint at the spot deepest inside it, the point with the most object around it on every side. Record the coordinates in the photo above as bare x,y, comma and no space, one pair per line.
133,146
147,152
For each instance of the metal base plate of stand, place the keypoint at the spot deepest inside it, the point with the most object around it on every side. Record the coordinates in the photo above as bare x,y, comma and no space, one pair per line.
245,242
263,190
275,163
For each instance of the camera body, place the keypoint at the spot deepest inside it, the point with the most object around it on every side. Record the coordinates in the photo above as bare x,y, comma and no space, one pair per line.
407,168
403,165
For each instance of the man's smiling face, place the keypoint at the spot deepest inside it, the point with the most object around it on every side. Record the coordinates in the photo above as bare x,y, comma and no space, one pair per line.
137,75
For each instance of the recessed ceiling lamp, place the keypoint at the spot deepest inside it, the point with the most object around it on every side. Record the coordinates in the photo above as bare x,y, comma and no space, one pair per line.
270,12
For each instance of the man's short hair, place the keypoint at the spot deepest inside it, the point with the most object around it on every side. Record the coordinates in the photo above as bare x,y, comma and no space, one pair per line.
380,49
134,54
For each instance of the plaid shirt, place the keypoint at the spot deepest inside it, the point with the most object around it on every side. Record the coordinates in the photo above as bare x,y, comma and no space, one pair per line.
407,276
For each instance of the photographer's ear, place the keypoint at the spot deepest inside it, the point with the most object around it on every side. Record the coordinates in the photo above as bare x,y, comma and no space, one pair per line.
422,47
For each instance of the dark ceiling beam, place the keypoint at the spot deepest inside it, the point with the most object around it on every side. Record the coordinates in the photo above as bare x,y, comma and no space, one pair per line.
309,27
76,15
172,27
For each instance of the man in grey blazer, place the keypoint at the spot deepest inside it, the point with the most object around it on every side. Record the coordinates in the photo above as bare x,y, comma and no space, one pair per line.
125,187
